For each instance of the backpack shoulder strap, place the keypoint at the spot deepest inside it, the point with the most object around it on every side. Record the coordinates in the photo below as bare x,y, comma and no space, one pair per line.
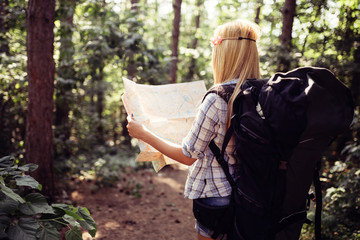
223,90
219,155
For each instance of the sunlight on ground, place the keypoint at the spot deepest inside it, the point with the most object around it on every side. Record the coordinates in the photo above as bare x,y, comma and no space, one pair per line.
171,182
76,196
87,236
112,225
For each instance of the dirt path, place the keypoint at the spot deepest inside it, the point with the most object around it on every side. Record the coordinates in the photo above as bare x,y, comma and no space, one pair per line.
160,213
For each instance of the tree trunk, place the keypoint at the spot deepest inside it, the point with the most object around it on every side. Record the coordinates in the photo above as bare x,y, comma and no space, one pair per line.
285,37
259,5
66,74
319,6
5,135
175,39
4,46
41,70
134,5
131,65
100,104
355,83
192,66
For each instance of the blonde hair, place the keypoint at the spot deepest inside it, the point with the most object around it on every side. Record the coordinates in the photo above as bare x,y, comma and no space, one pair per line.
233,58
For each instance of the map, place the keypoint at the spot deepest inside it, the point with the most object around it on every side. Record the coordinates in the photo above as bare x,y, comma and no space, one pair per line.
166,110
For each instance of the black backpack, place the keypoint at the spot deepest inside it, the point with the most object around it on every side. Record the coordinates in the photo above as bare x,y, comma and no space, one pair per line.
280,126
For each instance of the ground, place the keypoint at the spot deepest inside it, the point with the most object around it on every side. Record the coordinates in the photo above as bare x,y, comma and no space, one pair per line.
141,205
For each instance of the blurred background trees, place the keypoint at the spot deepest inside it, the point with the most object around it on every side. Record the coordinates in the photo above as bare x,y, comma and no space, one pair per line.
96,43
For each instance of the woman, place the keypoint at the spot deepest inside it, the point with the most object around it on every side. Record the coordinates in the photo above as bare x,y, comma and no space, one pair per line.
234,59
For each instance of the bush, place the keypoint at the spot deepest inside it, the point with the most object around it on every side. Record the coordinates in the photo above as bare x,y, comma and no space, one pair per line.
26,214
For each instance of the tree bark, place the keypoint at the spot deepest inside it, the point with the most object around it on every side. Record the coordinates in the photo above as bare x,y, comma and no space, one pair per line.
4,46
355,83
5,135
192,65
259,5
66,72
175,39
100,104
131,66
134,5
41,70
285,37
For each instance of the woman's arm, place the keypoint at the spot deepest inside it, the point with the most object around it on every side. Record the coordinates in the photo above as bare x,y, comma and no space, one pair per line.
169,149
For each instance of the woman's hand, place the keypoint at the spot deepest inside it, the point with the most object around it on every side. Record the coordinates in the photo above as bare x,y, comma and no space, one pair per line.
172,150
135,129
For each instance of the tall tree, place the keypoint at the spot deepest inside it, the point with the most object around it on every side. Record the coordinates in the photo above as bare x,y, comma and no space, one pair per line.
259,4
41,70
4,49
199,4
4,46
66,75
175,39
347,44
131,67
285,37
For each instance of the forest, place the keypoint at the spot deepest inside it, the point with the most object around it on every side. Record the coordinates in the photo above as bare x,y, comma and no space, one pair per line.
61,115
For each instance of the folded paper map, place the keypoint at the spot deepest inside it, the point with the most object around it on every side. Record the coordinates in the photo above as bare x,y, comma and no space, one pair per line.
166,110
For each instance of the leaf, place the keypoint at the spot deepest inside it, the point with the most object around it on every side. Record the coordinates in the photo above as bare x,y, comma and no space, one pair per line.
70,220
74,234
11,194
5,221
88,223
28,167
66,208
8,205
3,236
6,161
27,181
35,204
48,232
24,230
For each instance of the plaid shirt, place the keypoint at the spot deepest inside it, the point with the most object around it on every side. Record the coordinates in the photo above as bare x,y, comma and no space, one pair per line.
206,177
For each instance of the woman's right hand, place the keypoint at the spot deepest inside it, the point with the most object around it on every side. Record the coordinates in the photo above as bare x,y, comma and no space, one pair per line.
135,129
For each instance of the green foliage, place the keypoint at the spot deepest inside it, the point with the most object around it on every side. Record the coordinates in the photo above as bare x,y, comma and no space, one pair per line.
341,202
25,214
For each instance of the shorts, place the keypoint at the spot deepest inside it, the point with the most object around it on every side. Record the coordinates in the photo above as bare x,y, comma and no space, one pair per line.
215,202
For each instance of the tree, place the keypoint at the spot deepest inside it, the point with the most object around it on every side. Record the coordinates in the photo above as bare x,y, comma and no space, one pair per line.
41,69
96,55
285,37
4,47
259,4
199,4
347,44
131,67
175,39
65,81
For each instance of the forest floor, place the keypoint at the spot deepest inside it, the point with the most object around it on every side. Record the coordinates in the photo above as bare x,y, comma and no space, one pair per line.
142,204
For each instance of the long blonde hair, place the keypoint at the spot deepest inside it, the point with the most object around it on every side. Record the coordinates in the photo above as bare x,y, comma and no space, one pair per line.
233,58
